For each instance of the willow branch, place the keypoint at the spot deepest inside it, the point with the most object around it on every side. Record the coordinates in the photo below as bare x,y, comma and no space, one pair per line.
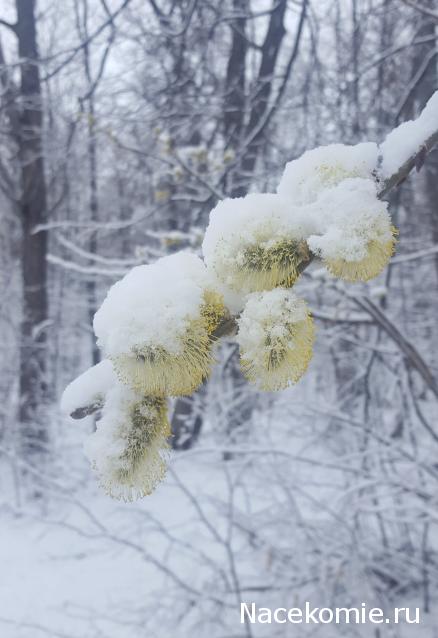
415,161
86,410
8,25
228,326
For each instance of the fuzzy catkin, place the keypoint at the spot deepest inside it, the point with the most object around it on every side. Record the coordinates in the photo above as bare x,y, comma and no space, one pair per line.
129,449
276,335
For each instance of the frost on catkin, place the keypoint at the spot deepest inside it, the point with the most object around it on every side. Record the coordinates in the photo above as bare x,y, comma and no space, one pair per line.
276,335
129,448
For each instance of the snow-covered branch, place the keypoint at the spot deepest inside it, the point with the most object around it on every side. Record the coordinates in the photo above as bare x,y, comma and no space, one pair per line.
85,395
407,147
158,325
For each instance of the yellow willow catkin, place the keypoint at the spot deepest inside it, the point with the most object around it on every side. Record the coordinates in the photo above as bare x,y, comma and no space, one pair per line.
378,255
141,464
285,358
155,371
263,266
332,174
276,335
213,310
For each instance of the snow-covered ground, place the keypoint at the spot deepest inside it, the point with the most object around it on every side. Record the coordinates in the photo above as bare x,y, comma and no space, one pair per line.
177,563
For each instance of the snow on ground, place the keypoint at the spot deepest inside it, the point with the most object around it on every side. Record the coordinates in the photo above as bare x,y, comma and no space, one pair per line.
56,582
84,568
91,567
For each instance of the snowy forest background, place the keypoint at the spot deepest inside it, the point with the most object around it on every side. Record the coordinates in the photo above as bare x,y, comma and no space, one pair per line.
122,123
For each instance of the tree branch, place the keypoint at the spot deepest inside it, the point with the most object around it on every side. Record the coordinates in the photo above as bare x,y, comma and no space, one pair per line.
108,22
228,327
422,9
86,410
412,355
415,161
9,25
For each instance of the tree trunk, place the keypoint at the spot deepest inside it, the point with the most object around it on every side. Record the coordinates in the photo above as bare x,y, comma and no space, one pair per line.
187,418
32,208
263,87
186,425
87,106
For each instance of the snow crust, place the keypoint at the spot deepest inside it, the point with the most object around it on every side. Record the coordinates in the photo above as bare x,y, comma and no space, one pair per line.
151,305
405,140
93,384
305,178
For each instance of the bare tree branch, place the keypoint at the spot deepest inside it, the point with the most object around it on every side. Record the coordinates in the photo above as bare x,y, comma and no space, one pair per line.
91,37
9,25
412,355
422,9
